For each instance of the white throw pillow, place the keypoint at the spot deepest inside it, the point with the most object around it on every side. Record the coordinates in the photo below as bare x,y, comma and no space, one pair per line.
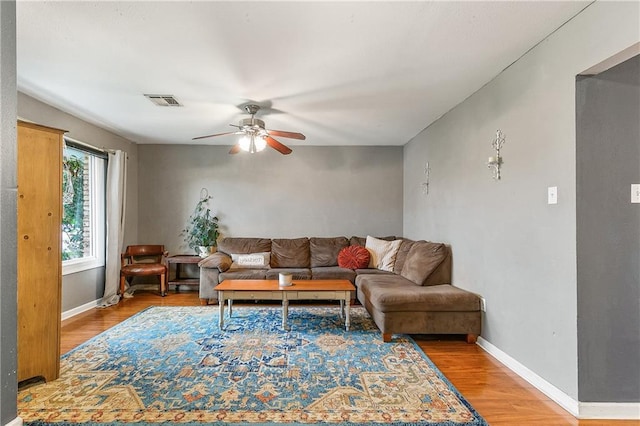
383,253
250,260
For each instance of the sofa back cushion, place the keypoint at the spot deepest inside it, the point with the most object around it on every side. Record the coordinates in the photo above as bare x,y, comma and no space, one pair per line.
234,245
423,260
324,251
362,241
442,274
403,251
290,253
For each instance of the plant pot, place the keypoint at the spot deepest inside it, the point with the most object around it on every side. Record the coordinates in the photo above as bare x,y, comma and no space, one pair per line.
204,251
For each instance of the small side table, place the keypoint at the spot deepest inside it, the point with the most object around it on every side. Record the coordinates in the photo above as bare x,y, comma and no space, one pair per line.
179,260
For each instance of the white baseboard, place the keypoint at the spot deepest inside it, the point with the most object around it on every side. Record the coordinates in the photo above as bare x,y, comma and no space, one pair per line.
556,395
581,410
15,422
80,309
610,410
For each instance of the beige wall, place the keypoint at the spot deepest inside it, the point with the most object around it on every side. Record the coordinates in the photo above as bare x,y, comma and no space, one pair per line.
315,191
508,244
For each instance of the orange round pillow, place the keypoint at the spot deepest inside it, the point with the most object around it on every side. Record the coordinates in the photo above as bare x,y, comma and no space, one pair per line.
354,257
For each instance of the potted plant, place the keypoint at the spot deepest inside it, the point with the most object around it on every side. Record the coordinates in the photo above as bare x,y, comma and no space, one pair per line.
201,233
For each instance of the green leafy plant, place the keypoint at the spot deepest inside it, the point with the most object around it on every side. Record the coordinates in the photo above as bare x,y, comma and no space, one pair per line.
202,227
73,208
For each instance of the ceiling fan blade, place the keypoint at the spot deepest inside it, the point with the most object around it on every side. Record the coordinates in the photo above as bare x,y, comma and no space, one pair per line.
291,135
282,149
235,149
211,136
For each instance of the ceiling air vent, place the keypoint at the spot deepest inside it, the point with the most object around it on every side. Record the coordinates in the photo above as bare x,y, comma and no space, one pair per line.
164,100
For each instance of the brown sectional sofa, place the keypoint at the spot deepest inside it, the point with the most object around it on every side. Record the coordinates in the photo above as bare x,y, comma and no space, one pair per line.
415,298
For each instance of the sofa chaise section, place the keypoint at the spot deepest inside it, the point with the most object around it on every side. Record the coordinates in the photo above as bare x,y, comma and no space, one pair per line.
418,297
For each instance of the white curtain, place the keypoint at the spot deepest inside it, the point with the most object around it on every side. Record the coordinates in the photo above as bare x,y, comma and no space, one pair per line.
116,196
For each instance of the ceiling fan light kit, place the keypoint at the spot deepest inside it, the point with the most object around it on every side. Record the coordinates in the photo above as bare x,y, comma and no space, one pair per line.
252,143
254,137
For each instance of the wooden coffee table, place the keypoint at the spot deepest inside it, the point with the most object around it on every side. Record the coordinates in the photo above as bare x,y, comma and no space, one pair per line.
300,290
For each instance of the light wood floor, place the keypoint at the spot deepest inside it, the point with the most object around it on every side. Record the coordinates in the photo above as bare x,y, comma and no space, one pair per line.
497,393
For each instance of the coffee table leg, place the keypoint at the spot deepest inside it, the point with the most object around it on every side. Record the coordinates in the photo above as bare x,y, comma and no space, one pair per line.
285,312
347,321
230,307
221,309
341,309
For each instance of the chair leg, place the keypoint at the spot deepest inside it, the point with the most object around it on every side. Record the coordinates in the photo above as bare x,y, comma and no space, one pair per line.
163,285
122,281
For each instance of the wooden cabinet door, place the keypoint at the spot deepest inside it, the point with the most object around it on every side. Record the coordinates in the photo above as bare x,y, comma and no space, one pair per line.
39,251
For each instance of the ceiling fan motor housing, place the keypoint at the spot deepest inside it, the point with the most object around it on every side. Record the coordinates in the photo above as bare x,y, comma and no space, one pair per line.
254,124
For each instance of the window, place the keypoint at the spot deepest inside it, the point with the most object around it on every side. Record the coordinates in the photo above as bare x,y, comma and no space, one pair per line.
83,208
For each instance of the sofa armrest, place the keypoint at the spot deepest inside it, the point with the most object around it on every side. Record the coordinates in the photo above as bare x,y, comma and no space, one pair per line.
208,280
217,260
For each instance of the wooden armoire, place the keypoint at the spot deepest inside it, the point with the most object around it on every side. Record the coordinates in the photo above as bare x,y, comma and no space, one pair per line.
39,251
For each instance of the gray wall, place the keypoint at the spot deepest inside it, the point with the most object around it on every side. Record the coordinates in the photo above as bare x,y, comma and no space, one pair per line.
8,192
87,286
508,244
315,191
608,226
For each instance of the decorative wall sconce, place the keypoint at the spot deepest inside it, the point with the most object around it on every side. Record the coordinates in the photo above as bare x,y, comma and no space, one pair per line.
425,184
495,162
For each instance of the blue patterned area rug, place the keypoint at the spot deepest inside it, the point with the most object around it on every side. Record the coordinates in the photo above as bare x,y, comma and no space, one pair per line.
174,365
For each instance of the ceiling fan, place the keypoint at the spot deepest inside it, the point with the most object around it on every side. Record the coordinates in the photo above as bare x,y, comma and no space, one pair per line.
254,136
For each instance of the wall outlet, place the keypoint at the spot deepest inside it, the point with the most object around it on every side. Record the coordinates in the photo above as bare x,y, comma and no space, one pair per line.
635,192
483,304
552,195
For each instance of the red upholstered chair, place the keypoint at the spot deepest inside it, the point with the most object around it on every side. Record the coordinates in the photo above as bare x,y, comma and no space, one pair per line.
143,260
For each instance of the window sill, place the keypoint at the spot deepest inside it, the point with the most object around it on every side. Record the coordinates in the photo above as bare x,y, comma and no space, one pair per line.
79,265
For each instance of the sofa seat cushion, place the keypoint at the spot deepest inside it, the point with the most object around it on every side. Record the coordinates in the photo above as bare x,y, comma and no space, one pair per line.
243,274
324,251
290,253
333,273
296,273
392,293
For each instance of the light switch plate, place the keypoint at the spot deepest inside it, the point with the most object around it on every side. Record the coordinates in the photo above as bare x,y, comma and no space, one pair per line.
552,195
635,192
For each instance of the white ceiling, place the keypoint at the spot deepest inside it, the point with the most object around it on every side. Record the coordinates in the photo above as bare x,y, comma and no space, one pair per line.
342,73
